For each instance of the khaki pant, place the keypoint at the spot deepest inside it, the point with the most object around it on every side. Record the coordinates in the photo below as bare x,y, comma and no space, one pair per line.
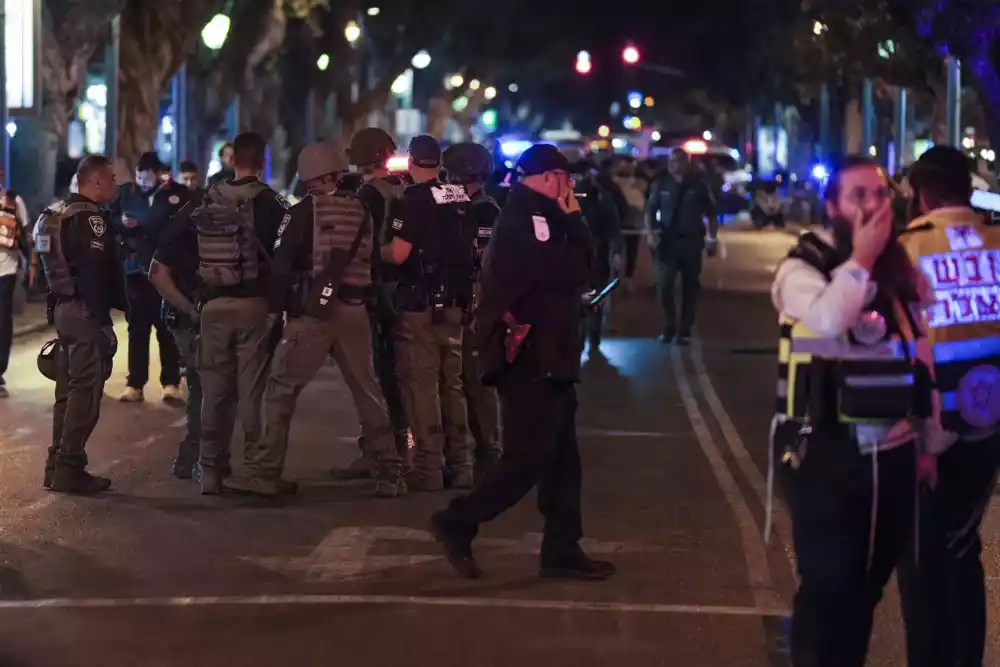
303,351
232,363
483,404
429,357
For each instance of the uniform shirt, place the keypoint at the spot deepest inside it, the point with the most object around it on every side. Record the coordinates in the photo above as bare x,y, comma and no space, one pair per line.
536,268
381,211
178,251
292,254
415,216
91,252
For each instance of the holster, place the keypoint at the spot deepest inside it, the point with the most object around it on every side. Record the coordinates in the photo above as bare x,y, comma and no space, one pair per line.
325,287
791,442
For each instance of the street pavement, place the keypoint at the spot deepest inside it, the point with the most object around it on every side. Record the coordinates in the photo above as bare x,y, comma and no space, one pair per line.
673,444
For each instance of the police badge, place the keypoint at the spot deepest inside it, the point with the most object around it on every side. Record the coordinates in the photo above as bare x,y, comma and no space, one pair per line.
97,224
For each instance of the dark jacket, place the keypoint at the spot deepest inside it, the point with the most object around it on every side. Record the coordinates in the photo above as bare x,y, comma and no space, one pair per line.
536,268
678,209
92,254
153,209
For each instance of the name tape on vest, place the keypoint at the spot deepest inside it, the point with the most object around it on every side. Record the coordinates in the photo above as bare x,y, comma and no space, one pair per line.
449,194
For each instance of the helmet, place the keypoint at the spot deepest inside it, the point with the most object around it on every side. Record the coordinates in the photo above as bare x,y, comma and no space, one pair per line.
48,359
370,146
468,163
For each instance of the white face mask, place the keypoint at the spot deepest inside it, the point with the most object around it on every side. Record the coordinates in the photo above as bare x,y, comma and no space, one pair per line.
145,179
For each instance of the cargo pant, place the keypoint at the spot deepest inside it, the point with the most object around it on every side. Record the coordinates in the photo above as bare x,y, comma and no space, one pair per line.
429,357
232,361
304,346
384,318
82,367
187,344
482,403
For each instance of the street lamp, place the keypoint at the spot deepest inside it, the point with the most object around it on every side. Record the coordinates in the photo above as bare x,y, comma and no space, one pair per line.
352,31
490,92
630,55
215,32
474,84
323,62
421,59
819,28
513,88
373,11
456,80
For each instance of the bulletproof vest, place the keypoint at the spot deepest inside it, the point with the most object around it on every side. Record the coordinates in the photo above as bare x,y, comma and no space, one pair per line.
49,243
483,233
337,219
390,192
9,227
450,256
681,209
229,252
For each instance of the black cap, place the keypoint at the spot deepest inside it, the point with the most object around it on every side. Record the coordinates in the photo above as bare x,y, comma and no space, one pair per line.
425,151
149,162
541,158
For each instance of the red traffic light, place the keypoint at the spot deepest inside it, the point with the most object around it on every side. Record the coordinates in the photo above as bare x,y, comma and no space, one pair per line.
630,55
583,66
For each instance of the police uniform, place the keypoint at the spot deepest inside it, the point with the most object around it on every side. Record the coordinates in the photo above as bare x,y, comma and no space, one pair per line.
675,213
236,334
850,381
601,215
943,592
435,297
467,164
178,252
322,274
77,252
13,247
536,270
152,207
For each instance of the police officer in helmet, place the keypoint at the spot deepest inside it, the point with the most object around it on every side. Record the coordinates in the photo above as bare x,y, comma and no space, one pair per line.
529,322
369,151
470,165
433,240
322,275
78,254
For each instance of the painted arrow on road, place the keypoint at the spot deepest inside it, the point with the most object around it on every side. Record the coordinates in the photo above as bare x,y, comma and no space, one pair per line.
344,554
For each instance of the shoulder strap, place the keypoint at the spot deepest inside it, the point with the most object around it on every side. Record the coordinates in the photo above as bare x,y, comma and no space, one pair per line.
815,252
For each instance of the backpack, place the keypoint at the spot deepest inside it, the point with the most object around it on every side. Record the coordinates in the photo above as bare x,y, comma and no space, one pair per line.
229,252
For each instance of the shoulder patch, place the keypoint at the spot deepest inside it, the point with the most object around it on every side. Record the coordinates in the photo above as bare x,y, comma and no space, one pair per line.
98,225
449,194
963,237
174,200
815,252
397,224
43,243
541,224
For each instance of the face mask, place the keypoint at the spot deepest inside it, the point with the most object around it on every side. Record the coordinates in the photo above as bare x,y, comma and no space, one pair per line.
145,179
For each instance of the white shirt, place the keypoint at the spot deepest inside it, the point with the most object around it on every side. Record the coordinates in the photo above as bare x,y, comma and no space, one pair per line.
10,258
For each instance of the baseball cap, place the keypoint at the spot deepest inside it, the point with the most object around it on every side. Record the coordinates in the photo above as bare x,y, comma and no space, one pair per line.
541,158
425,151
150,161
317,160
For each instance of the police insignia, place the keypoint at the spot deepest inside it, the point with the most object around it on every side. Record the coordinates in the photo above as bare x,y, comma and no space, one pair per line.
870,328
541,227
98,225
397,224
43,243
979,396
174,200
449,194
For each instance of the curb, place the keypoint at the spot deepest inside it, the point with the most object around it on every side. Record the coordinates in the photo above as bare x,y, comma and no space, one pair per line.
28,329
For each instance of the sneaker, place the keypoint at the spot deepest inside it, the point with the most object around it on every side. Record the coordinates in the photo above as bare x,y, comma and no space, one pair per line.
78,482
387,489
578,566
172,395
132,395
457,546
360,468
256,486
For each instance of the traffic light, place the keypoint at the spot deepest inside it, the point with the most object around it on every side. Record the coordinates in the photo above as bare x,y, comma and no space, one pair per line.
630,55
583,64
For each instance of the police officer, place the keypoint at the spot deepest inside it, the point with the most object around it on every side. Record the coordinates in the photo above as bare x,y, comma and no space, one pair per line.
174,274
600,212
322,276
941,582
849,385
433,240
536,270
470,165
369,151
78,254
236,333
676,210
140,214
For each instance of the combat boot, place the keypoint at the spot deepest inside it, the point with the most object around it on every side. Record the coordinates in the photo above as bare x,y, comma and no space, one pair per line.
456,542
184,465
211,481
424,482
78,482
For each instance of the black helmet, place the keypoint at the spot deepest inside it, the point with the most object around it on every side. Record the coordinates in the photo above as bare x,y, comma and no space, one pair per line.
468,163
48,359
370,146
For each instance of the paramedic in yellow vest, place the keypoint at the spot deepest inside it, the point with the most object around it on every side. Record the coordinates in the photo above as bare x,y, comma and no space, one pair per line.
942,587
14,251
848,382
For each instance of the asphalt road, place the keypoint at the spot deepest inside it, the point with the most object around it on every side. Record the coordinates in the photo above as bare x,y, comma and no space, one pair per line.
675,462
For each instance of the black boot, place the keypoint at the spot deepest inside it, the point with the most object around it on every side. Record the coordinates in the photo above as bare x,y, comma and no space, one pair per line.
184,465
78,482
574,564
456,541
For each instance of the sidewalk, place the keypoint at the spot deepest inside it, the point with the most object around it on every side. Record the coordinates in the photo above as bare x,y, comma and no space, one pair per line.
32,320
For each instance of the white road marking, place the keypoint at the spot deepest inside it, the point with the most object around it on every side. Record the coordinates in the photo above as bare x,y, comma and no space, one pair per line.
179,423
625,434
755,554
405,600
344,552
782,523
147,441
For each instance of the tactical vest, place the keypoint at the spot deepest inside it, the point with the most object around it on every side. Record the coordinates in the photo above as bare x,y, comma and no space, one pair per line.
49,243
10,228
449,260
337,220
229,252
961,258
483,233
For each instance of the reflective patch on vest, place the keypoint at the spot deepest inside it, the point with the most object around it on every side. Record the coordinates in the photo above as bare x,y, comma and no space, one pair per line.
449,194
43,243
485,232
963,238
98,225
966,287
979,396
97,245
284,223
282,202
870,328
541,228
